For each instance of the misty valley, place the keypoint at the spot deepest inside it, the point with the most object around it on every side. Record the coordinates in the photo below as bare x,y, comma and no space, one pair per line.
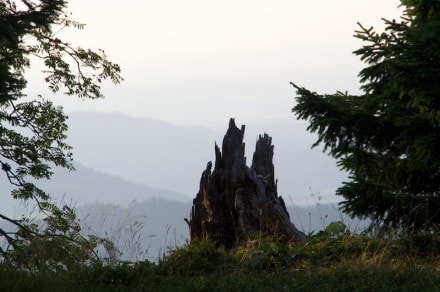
135,180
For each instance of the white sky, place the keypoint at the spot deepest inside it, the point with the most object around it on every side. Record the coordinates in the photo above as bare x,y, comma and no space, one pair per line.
200,62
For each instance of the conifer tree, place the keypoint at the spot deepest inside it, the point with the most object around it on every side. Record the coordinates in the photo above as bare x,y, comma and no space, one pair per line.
388,138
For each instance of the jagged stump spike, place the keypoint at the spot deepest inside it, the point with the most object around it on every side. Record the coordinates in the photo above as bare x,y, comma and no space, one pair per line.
235,201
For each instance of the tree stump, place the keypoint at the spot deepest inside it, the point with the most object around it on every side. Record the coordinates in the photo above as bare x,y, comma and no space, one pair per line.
235,201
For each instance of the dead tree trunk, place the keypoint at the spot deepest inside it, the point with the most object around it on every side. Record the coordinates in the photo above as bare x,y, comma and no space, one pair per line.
235,201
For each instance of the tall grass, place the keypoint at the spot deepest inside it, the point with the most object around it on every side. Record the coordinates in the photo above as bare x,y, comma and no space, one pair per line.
334,259
330,261
129,234
122,232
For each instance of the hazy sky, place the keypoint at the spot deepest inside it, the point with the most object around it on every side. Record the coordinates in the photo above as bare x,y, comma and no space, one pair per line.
199,62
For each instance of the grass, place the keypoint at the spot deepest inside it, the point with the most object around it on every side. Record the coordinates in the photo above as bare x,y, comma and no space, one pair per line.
327,263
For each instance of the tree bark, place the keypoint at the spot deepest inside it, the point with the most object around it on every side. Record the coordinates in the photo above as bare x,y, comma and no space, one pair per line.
235,201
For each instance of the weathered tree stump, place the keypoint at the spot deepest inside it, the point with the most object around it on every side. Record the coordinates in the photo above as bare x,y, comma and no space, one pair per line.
235,201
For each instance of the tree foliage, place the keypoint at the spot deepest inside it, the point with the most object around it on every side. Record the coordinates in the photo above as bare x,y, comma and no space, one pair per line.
32,129
388,139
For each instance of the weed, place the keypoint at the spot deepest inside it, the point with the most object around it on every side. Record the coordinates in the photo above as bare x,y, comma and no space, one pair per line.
199,256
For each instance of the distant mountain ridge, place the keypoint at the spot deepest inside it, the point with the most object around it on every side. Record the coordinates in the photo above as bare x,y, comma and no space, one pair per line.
120,159
161,155
145,151
88,186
